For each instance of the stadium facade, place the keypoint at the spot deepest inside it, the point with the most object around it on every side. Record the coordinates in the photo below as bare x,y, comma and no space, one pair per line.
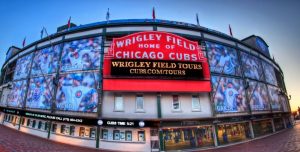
144,85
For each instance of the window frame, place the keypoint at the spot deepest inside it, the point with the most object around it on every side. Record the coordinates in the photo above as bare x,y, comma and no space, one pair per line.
81,131
54,128
144,138
179,103
136,103
127,132
116,132
115,101
102,134
199,102
72,130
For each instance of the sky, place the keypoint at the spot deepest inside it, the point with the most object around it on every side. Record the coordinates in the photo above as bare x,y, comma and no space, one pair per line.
276,21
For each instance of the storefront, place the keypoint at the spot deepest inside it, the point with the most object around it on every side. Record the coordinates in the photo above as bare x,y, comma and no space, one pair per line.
262,127
188,137
230,133
278,124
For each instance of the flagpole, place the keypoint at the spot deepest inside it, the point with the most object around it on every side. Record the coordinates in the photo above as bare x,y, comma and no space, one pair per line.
153,14
107,15
230,31
69,23
24,41
197,19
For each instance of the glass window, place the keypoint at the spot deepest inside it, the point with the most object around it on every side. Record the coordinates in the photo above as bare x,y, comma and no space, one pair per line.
72,130
116,134
33,123
11,118
196,103
5,117
119,103
187,138
81,131
28,122
128,135
176,103
230,133
62,129
92,132
46,126
104,134
54,127
40,125
141,135
122,135
23,121
139,103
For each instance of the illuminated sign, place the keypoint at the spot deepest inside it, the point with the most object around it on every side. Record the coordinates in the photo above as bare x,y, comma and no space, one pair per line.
154,69
156,46
146,59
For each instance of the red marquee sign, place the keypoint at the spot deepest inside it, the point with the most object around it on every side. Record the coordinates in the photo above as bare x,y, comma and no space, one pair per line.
155,61
156,46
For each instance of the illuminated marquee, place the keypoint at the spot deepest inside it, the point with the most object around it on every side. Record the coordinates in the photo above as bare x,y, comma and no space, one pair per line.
156,46
145,59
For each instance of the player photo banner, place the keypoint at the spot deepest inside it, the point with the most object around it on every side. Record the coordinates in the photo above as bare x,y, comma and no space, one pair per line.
4,97
154,45
258,96
46,61
222,59
269,73
17,94
81,54
252,66
78,92
40,93
274,97
23,67
229,95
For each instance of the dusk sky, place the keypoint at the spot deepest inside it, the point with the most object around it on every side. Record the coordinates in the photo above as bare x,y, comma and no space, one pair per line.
277,22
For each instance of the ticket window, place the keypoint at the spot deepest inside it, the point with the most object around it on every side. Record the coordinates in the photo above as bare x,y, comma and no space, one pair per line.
72,130
104,134
92,132
54,127
128,135
116,134
141,135
28,122
81,131
122,136
47,124
62,129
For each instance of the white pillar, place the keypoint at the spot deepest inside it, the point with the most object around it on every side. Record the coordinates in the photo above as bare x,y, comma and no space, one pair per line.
215,134
284,123
273,126
251,129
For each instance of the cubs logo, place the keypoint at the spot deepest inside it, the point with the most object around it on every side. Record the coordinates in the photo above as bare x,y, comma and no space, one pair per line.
78,94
